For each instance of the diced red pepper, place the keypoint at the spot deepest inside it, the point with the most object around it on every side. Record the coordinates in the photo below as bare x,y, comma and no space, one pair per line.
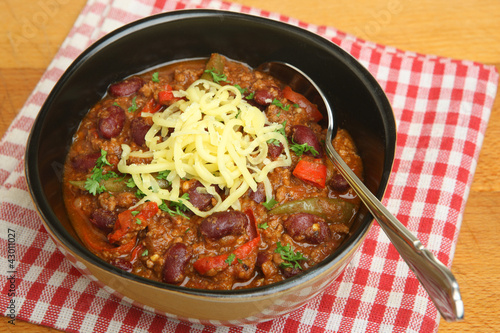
303,102
151,106
166,96
136,252
126,220
148,210
244,250
212,265
98,245
313,172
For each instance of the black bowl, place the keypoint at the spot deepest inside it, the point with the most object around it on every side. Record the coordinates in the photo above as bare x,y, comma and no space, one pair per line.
359,103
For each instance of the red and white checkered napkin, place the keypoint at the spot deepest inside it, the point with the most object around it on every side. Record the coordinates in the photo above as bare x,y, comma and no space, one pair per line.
442,107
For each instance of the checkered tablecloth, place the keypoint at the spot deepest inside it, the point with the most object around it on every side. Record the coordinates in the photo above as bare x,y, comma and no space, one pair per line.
442,107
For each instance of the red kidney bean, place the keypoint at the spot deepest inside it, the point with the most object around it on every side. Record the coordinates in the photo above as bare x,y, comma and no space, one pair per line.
126,87
103,219
111,122
251,224
258,196
263,258
198,199
339,184
263,97
290,271
257,105
138,129
302,134
85,162
274,151
122,264
309,228
221,224
176,259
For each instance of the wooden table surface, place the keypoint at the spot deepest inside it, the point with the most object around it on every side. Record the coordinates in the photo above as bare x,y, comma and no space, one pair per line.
32,31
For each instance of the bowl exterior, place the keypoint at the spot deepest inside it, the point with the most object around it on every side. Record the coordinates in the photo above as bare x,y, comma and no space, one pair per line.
207,309
360,106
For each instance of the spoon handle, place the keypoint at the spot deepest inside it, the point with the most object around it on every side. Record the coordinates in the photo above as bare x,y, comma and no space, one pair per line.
434,276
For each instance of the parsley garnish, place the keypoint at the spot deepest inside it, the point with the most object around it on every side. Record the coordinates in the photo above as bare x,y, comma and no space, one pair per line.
242,90
176,207
145,253
139,194
135,212
303,148
155,78
130,183
280,131
94,183
163,174
277,102
263,226
216,76
270,203
291,258
230,259
133,107
102,161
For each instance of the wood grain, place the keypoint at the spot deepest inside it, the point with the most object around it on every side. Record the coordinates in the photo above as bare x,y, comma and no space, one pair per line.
32,31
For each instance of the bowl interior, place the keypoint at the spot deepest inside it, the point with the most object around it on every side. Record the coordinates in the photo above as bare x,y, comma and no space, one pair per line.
359,103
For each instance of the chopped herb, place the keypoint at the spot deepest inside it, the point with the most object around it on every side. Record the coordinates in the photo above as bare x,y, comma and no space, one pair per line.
230,259
250,96
303,148
296,106
130,183
291,258
145,253
176,207
138,221
163,174
217,77
263,226
277,102
133,107
135,212
155,77
280,131
269,204
242,90
116,104
93,184
139,194
102,160
119,179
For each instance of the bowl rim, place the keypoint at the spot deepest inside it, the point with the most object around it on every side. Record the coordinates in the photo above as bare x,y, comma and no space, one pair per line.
51,222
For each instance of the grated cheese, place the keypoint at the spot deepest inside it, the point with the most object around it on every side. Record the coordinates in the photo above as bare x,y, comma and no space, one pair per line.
212,135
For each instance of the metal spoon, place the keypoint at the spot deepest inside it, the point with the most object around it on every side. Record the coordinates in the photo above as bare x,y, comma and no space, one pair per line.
435,277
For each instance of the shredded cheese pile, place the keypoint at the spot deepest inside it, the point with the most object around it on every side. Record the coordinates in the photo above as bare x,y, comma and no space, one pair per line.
213,135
